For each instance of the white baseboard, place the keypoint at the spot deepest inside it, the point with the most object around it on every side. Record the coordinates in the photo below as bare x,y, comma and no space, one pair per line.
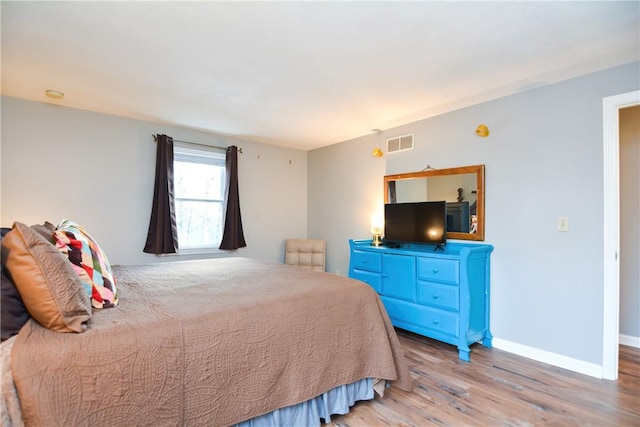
554,359
630,340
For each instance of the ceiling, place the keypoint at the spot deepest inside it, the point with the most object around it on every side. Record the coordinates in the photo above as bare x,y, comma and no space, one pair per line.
303,74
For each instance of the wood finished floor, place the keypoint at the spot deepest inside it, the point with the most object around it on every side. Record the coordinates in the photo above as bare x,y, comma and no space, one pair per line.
499,389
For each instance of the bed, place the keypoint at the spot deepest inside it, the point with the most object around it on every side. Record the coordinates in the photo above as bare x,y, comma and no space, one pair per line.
210,342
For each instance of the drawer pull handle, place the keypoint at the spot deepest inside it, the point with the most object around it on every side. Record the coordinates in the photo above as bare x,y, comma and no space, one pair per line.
365,261
435,321
435,270
435,296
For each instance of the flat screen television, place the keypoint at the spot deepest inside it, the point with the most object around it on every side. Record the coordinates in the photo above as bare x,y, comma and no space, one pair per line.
417,222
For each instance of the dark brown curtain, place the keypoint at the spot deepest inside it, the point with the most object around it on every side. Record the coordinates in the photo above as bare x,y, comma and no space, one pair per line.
162,237
233,237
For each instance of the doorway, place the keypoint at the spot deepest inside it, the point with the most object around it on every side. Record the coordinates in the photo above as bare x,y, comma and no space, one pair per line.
611,168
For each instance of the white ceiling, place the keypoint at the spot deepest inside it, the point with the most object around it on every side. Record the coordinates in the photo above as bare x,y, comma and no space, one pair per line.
303,74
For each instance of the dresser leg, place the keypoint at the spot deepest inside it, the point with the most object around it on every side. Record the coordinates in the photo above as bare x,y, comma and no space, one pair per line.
487,341
463,354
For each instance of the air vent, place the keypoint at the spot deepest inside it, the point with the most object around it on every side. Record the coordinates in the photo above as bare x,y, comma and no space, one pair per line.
400,143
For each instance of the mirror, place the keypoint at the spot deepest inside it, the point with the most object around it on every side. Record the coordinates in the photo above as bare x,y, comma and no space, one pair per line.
462,188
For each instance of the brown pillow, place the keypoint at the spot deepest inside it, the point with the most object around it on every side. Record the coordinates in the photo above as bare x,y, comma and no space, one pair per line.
50,289
44,232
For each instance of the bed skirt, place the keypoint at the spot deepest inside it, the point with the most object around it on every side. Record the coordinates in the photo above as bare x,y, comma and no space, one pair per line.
336,401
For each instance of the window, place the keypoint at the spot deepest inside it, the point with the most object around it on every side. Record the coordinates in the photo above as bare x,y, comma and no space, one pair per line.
199,178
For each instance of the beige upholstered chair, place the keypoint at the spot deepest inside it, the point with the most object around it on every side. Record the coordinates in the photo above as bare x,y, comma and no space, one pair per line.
307,253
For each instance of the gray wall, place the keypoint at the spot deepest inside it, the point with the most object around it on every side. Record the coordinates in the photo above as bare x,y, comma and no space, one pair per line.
98,170
346,182
629,223
543,160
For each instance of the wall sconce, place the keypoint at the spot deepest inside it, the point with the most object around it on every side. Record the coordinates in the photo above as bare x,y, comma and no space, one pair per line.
482,130
377,152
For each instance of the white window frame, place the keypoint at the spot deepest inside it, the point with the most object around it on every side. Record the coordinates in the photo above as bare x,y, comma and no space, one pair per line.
201,154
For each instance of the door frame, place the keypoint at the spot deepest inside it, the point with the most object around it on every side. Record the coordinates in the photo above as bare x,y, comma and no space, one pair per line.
611,106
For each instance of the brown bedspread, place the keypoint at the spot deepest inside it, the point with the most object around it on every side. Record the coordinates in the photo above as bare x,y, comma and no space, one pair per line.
210,343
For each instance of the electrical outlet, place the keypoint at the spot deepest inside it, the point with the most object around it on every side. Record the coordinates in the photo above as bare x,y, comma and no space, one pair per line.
563,223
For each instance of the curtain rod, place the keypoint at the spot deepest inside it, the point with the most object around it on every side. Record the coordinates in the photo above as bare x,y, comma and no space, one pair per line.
155,138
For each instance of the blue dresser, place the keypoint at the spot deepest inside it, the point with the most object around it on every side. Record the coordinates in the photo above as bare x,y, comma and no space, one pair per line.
442,294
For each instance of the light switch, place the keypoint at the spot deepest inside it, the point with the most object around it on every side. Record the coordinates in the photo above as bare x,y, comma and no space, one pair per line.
563,223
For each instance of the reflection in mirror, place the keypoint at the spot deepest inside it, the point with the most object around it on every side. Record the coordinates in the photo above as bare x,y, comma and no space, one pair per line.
462,188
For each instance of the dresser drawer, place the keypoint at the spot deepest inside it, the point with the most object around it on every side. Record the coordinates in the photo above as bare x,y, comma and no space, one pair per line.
426,318
372,279
439,270
438,295
441,321
369,261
